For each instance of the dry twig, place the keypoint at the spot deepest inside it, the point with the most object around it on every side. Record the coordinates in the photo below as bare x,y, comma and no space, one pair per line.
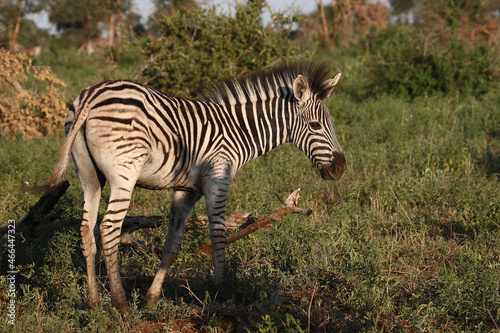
289,207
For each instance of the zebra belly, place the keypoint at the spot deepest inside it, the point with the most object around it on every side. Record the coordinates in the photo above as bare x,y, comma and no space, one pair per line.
162,171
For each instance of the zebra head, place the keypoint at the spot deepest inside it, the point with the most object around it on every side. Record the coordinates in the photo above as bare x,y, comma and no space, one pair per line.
313,131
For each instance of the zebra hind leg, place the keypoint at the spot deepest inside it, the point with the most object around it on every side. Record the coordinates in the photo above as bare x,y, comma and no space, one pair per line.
92,182
87,231
182,204
110,229
89,248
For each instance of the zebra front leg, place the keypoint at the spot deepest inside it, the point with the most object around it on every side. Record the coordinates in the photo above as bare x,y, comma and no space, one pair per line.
110,238
182,204
216,191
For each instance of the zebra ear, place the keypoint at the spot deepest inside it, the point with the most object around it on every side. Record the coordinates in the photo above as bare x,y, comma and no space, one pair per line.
301,88
330,84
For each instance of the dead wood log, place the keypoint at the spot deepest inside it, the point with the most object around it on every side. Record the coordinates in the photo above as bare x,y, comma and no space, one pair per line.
43,207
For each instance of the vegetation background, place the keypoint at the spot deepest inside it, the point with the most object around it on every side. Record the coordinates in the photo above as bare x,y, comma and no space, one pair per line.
408,240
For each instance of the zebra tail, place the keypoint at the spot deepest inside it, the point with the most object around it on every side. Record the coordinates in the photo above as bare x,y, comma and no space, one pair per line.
61,167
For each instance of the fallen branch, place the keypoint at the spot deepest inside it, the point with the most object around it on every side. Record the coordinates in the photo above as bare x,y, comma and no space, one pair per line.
129,240
133,223
233,222
289,207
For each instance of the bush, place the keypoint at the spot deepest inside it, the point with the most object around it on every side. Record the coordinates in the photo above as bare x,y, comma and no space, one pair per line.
28,113
407,66
201,46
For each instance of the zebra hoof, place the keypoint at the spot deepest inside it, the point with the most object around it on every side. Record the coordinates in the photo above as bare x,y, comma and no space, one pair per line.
123,307
151,300
225,292
127,309
92,304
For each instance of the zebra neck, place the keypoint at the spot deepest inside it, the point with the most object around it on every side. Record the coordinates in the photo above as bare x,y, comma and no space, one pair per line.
263,125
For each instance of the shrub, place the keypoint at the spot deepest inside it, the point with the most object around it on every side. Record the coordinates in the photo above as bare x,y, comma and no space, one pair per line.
405,65
30,114
201,46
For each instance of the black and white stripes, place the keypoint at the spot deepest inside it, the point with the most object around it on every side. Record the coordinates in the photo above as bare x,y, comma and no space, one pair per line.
128,134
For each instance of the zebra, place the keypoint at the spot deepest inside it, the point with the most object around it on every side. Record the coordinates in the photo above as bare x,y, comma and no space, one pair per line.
131,135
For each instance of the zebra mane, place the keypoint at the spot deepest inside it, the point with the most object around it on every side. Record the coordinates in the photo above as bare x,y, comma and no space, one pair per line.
269,83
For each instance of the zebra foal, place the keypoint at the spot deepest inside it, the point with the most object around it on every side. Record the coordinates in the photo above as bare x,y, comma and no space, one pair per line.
128,134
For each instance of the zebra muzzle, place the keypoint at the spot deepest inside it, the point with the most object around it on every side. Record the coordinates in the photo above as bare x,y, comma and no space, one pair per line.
336,169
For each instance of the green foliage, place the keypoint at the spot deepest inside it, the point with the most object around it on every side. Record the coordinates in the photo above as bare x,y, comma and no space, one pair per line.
79,70
199,47
16,170
407,65
408,240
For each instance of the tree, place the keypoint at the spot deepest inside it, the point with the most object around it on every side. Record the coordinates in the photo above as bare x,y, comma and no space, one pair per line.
169,8
132,26
12,14
85,20
404,7
199,47
77,20
472,21
344,20
114,11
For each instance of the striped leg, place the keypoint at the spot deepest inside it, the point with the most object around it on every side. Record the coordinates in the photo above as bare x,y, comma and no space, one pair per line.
87,231
92,182
110,238
182,204
216,190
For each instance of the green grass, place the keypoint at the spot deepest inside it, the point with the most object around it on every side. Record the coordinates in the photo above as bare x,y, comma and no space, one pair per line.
407,241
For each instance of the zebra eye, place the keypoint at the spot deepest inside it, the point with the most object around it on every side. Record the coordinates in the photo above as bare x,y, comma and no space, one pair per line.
316,126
